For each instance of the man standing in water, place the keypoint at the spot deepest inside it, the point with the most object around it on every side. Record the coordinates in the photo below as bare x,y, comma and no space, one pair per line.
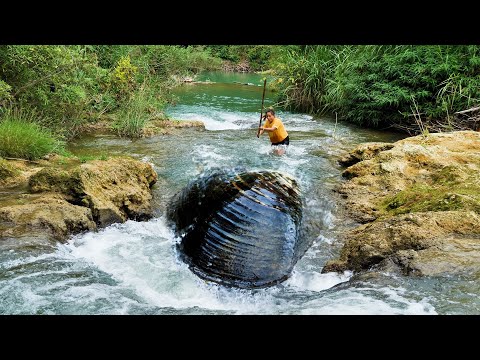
276,131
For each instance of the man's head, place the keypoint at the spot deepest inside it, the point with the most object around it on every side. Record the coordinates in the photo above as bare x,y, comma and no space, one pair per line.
270,114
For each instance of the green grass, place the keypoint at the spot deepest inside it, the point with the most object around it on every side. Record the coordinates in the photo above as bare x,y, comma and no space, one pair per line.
20,138
130,123
85,158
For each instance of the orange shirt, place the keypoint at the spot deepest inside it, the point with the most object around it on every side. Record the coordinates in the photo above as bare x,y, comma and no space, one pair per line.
279,134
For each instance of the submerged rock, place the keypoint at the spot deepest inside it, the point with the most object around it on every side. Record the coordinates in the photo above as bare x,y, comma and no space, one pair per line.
240,228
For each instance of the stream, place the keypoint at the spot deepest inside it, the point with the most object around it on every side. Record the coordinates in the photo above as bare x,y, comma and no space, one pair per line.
134,268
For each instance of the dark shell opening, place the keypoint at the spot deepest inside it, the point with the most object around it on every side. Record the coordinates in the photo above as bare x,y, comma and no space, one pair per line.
239,228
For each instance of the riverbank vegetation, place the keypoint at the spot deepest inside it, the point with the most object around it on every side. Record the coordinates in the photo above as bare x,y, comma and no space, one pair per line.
22,137
413,88
247,58
69,87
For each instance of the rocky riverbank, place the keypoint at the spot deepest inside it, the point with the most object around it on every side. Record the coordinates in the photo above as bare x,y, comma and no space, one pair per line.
58,196
419,202
152,127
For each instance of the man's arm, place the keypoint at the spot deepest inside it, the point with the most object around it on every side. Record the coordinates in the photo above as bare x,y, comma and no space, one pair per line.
268,129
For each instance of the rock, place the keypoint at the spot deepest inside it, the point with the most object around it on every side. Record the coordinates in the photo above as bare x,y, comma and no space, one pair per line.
405,239
455,255
156,127
364,152
11,173
419,201
441,158
7,170
73,198
115,190
49,214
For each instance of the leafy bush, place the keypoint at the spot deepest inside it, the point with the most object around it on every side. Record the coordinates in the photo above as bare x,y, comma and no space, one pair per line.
123,77
60,81
5,94
259,57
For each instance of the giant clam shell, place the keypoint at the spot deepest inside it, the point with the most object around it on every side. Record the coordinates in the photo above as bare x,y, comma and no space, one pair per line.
239,229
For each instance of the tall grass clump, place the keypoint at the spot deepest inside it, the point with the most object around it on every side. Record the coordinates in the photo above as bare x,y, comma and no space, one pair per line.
134,115
21,137
303,75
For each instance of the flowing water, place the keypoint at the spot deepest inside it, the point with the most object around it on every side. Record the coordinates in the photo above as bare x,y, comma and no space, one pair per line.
133,268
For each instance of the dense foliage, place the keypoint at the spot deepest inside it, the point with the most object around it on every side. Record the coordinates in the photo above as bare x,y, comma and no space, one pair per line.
247,57
73,85
381,85
68,87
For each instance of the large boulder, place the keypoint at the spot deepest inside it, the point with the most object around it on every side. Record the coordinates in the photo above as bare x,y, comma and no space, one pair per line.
426,243
49,214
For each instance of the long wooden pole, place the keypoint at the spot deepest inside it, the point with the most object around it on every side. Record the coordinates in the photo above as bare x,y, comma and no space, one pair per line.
261,110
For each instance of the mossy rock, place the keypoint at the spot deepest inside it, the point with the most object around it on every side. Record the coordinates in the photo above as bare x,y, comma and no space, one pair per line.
452,188
57,180
420,201
7,170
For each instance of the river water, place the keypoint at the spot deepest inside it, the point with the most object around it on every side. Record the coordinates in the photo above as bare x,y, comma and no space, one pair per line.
134,268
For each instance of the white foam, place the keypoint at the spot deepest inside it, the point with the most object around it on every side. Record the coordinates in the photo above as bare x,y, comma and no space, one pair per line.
208,151
357,302
19,292
315,281
215,119
298,122
324,239
143,259
141,256
207,157
211,123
